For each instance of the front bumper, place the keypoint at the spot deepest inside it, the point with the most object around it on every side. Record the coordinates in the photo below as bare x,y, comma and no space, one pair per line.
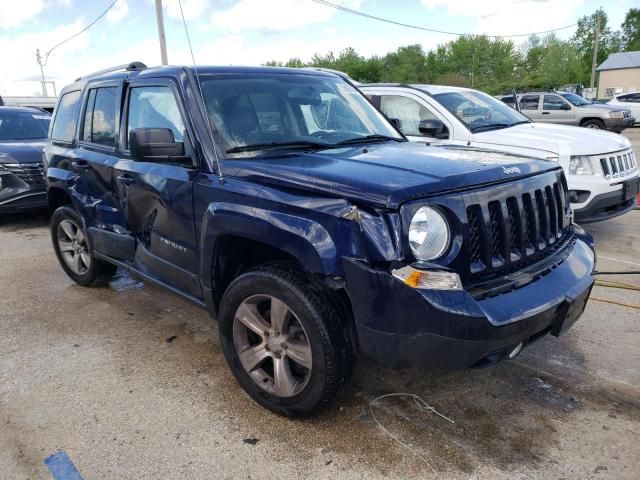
17,196
22,187
610,204
618,124
400,327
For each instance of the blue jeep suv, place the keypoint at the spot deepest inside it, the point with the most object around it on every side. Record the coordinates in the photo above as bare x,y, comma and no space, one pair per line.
290,208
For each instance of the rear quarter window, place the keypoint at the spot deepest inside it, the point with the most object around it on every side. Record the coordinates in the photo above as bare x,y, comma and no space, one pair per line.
66,118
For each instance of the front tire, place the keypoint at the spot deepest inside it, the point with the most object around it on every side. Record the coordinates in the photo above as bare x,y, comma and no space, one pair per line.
594,124
72,249
285,341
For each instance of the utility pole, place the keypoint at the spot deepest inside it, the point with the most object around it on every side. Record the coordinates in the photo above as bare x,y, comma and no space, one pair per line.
163,40
44,84
595,51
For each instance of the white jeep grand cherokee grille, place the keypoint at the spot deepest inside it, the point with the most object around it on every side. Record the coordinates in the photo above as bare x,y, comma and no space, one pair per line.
618,165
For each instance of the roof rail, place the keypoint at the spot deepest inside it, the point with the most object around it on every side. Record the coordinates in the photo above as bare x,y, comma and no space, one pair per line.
129,67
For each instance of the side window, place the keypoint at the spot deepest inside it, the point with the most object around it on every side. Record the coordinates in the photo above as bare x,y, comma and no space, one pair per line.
88,116
99,125
529,102
552,102
410,112
631,98
64,124
154,107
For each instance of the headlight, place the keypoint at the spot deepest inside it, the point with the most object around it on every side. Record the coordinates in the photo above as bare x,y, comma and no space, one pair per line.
580,165
428,234
616,114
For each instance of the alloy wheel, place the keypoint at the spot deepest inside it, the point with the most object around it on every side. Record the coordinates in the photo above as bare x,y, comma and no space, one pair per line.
272,345
73,247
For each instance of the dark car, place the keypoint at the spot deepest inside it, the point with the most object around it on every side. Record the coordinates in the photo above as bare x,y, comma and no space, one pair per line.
286,205
23,135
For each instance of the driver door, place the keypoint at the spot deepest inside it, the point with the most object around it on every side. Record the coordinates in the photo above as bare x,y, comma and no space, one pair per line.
157,195
556,109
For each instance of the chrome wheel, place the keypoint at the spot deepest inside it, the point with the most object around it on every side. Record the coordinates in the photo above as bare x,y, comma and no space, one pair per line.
272,345
73,247
593,126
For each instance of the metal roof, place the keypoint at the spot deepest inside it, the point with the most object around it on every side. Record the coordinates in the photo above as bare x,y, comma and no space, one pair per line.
619,61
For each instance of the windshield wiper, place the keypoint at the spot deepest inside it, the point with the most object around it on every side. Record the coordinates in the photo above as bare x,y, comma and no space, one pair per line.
368,138
493,126
520,122
275,145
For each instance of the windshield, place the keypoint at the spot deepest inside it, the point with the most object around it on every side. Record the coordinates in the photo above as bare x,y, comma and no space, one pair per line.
253,112
23,125
577,100
479,111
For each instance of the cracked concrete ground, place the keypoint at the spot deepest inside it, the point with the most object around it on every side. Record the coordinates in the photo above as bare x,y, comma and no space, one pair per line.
131,383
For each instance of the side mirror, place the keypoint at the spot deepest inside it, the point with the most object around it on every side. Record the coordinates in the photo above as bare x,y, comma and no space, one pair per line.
565,106
155,145
431,128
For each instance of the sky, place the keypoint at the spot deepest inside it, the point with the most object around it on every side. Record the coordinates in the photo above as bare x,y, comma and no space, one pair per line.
250,32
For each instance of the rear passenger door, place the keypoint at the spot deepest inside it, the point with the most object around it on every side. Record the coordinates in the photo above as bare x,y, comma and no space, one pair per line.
95,159
157,196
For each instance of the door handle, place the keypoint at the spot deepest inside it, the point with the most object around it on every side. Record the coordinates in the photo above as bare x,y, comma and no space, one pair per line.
545,113
125,180
80,165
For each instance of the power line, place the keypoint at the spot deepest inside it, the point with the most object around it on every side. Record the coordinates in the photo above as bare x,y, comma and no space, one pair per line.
432,30
45,57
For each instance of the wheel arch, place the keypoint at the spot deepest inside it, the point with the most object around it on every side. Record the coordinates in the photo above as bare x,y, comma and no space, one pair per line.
235,236
589,119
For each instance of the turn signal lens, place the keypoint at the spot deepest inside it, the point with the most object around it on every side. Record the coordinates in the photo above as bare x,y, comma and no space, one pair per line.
428,279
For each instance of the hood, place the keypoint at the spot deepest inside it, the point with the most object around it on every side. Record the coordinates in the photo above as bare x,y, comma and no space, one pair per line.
25,151
600,107
543,140
387,174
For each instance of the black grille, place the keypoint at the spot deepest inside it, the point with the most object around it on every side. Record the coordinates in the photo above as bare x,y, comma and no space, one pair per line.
497,239
474,233
31,173
514,227
517,230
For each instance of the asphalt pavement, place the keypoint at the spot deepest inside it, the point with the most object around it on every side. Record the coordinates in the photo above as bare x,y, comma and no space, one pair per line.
130,382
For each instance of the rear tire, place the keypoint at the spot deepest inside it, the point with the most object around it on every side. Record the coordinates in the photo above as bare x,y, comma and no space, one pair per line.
296,361
72,249
594,124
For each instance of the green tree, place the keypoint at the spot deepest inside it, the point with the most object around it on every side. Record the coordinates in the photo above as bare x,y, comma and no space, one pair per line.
407,64
631,30
584,38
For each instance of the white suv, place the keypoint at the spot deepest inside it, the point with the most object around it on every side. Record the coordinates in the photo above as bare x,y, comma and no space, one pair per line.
630,101
601,167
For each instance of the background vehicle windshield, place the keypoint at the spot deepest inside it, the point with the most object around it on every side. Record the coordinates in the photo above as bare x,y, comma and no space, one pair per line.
577,100
266,109
479,111
23,125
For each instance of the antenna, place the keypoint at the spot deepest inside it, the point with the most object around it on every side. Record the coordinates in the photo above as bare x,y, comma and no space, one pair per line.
206,114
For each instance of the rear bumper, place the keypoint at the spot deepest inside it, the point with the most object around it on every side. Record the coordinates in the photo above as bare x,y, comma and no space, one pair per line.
401,327
610,204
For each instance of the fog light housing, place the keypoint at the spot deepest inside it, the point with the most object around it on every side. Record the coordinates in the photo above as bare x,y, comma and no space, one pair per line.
579,196
428,279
